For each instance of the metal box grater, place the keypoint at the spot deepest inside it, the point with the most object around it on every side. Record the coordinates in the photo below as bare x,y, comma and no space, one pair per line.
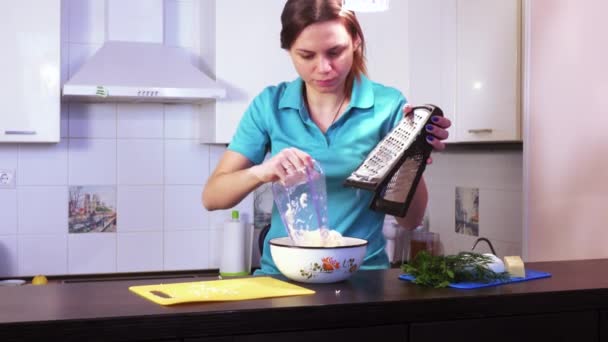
392,170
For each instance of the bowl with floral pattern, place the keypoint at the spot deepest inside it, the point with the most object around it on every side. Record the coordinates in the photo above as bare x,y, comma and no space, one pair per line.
316,264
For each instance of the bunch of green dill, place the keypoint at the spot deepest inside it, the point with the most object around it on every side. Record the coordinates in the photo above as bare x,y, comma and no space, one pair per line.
439,271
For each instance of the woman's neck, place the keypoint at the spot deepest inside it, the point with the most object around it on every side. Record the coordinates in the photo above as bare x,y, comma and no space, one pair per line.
323,101
324,109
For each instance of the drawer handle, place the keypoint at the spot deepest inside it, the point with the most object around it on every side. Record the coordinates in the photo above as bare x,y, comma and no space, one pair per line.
20,132
481,130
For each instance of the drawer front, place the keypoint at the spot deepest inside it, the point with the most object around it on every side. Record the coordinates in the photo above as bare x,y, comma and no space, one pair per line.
568,326
386,333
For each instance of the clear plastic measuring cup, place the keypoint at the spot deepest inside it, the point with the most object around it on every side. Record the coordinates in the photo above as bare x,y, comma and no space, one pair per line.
302,203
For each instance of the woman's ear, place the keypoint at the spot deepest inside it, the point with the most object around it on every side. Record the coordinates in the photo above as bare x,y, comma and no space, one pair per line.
357,43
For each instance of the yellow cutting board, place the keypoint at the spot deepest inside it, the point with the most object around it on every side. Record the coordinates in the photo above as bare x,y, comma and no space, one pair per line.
219,290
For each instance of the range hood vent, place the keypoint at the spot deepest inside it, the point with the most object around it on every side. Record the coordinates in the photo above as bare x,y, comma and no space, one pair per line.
140,72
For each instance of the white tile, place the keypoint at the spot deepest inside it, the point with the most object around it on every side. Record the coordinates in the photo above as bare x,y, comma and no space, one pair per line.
485,177
92,162
9,156
8,212
186,250
487,169
65,118
215,248
184,208
43,164
135,20
181,121
65,64
139,252
140,162
92,120
500,215
43,210
179,23
140,208
65,21
140,120
507,248
501,248
454,243
42,254
78,54
9,266
215,154
441,208
91,253
514,159
245,208
186,162
86,21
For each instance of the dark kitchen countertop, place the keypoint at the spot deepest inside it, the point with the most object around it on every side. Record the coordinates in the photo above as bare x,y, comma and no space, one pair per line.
102,310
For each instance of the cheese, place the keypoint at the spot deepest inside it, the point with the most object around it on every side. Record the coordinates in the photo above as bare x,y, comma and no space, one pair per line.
515,266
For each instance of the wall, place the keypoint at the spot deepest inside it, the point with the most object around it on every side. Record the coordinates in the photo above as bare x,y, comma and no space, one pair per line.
148,153
496,170
565,161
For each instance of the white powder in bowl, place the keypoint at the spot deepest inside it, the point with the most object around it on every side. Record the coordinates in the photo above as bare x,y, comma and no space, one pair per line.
319,238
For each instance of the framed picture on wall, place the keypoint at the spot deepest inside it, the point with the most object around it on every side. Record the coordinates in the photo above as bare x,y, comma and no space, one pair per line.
467,211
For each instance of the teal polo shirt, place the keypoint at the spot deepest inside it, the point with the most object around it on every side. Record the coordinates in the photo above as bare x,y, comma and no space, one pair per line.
278,118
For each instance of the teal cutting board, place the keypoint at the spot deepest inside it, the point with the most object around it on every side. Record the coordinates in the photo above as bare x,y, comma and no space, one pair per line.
530,275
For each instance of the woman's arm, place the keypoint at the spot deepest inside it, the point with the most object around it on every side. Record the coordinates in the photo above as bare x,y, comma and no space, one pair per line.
230,182
415,212
235,176
437,133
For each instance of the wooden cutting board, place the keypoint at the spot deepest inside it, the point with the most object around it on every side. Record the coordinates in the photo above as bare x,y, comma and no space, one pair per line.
219,290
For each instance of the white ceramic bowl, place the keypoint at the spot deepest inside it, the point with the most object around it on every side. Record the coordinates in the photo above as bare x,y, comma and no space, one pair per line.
318,264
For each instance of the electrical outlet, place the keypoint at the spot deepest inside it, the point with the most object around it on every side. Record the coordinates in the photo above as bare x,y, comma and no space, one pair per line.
7,179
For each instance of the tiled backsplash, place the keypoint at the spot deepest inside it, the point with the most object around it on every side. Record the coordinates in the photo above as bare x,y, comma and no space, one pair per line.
497,172
158,180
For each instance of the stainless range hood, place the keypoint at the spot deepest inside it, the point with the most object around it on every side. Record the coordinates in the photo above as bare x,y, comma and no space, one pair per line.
140,72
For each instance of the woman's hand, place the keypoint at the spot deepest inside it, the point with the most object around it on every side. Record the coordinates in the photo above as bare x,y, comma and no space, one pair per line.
437,130
282,165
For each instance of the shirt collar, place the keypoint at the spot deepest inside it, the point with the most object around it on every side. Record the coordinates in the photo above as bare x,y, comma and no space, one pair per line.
362,95
292,96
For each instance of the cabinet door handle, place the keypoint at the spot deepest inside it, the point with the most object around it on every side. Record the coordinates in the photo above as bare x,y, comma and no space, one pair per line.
481,130
20,132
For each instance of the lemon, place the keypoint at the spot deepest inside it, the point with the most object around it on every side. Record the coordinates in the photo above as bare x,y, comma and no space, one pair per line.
39,280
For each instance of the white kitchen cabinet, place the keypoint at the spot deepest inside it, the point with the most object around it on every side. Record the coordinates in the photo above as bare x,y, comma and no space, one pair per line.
248,58
462,55
30,69
465,57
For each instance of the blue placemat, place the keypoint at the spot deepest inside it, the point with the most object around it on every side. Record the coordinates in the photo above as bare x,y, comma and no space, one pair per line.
530,275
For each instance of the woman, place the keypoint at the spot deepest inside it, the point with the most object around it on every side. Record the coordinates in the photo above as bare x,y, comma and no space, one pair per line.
333,114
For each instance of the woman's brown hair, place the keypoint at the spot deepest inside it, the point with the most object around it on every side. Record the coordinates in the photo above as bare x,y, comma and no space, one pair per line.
299,14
